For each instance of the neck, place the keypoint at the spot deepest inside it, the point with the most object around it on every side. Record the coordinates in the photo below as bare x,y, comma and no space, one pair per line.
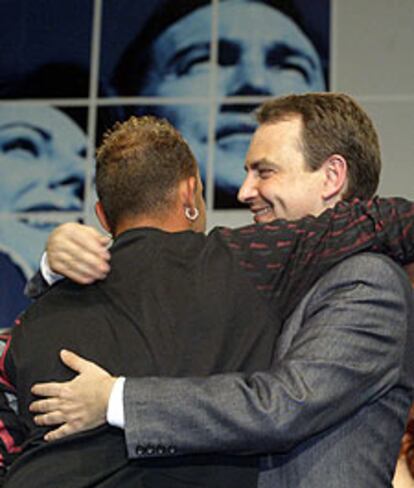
167,224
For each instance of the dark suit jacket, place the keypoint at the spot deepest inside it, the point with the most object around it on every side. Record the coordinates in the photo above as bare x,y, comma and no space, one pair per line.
172,304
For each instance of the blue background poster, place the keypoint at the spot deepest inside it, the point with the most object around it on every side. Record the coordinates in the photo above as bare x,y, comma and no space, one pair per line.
70,69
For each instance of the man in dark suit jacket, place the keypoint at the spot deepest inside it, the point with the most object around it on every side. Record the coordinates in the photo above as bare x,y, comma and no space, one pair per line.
341,368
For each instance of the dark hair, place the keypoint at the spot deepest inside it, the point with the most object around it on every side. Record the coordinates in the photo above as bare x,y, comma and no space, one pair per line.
333,123
138,167
131,71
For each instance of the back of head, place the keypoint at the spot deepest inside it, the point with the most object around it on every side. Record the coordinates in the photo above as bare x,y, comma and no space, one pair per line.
333,123
138,167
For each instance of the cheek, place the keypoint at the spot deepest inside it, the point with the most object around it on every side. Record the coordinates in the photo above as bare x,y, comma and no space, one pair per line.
16,178
68,163
195,85
308,201
284,82
271,190
191,121
286,193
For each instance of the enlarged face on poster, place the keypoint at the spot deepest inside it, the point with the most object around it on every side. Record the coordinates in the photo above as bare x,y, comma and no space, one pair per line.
259,51
46,151
42,171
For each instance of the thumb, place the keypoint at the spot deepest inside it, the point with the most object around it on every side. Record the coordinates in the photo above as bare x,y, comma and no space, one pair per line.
73,361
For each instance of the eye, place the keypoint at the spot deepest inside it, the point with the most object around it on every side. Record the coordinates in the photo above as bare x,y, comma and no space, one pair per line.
228,54
22,144
296,67
265,173
191,60
286,59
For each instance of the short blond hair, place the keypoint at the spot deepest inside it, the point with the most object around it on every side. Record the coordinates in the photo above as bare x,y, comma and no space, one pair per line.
138,167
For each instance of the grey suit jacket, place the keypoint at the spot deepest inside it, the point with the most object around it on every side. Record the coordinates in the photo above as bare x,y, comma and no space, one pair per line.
331,409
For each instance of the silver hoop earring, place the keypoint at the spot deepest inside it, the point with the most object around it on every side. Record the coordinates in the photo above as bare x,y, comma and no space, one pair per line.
191,213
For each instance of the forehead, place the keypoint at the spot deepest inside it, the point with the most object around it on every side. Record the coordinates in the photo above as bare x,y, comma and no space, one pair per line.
240,21
51,121
193,29
274,140
250,21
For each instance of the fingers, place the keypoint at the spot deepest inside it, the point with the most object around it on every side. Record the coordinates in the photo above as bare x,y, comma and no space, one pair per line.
92,373
51,418
45,406
75,234
78,252
62,431
47,389
83,269
86,236
73,361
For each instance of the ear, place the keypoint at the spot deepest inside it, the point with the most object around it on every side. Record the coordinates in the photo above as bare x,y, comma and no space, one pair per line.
187,192
100,213
335,169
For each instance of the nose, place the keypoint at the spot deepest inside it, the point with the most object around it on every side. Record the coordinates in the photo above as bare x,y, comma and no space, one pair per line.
250,76
71,177
74,183
248,190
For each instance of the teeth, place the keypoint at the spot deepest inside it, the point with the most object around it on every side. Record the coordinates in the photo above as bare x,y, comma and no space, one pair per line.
263,211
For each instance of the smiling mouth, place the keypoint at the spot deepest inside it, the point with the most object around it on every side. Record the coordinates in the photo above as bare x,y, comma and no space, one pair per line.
258,214
39,223
49,207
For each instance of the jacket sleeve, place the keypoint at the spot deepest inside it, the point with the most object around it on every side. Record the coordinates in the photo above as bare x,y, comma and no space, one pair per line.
36,286
284,259
344,344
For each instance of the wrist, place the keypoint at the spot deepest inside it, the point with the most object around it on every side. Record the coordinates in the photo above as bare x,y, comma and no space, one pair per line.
115,402
48,274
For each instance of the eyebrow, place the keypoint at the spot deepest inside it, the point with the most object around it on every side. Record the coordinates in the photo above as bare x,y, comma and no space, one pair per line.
279,50
255,164
13,125
283,50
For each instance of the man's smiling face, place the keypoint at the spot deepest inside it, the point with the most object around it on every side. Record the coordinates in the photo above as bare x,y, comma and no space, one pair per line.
278,183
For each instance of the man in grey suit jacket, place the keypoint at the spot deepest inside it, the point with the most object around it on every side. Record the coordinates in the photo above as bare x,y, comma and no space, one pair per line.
351,425
331,409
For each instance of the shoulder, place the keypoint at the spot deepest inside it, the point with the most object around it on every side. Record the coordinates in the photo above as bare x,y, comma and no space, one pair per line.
373,270
366,284
62,298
